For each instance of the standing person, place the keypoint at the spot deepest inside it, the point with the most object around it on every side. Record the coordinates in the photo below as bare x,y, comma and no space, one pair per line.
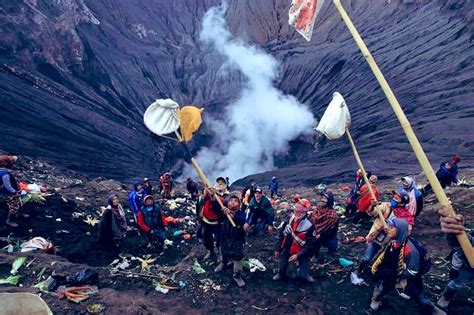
376,239
260,213
227,180
233,239
399,265
416,197
296,242
10,188
273,187
192,188
351,206
152,221
147,187
212,216
461,273
113,225
446,174
135,199
364,201
326,222
166,185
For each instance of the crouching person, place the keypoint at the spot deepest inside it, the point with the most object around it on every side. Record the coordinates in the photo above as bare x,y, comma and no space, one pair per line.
113,225
401,265
296,242
151,220
233,239
461,273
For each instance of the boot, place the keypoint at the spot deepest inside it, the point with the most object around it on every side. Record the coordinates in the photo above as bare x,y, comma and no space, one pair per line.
375,303
219,267
11,220
238,279
446,297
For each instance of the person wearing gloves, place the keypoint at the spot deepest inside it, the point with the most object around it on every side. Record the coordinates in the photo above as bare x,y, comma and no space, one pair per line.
233,239
10,188
296,243
152,221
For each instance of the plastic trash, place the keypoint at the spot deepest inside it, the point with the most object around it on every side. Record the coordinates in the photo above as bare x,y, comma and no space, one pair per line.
345,262
13,280
182,284
197,268
356,280
37,243
177,233
255,264
160,289
17,264
187,236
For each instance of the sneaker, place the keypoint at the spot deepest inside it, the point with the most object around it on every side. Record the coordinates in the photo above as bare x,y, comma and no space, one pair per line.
308,279
238,280
10,221
277,277
443,302
219,268
375,304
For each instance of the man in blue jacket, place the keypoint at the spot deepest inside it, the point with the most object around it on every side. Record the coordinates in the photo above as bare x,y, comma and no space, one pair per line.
135,199
9,188
273,187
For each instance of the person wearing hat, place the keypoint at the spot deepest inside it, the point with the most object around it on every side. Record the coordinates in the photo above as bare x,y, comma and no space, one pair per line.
364,201
248,193
408,184
233,239
446,174
296,242
147,187
273,187
260,213
113,225
326,222
152,221
399,266
351,206
10,188
376,239
211,216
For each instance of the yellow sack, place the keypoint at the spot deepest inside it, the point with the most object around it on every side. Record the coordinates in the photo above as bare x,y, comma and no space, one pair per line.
190,121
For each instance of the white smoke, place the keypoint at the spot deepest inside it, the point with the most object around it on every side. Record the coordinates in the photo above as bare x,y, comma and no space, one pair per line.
261,122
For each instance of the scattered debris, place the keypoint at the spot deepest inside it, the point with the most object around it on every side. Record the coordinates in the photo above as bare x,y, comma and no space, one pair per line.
197,268
17,264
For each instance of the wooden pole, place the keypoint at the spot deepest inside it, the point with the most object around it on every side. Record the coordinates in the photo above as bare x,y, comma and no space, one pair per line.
204,179
364,174
415,144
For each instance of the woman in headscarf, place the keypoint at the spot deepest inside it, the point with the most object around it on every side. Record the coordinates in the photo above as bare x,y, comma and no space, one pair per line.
10,188
113,225
398,266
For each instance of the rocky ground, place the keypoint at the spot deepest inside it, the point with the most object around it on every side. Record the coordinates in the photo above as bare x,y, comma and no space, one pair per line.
61,219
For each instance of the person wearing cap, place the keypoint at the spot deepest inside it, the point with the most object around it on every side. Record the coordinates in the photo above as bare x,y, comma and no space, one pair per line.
296,242
399,266
248,193
351,206
376,239
147,187
152,221
446,174
113,225
10,188
461,274
135,198
364,201
326,222
260,213
233,239
166,185
273,187
211,216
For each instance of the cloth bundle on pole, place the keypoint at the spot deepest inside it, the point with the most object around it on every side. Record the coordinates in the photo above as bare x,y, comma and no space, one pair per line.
163,117
302,16
334,123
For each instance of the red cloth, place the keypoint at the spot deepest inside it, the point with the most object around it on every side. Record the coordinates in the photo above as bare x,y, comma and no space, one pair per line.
142,223
404,213
209,210
324,219
363,202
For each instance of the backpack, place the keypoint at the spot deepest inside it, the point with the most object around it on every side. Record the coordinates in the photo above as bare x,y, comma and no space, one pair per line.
425,256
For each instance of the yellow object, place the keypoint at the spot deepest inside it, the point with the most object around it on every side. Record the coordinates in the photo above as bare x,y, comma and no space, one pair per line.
190,121
415,144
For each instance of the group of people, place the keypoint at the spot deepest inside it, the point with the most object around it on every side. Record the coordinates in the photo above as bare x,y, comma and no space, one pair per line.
393,257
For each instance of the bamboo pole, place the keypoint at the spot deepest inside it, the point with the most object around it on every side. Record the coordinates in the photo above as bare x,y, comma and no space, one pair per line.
415,144
204,179
364,174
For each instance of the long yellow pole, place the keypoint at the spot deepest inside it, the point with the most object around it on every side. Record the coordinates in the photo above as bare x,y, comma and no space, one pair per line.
204,179
415,144
364,174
